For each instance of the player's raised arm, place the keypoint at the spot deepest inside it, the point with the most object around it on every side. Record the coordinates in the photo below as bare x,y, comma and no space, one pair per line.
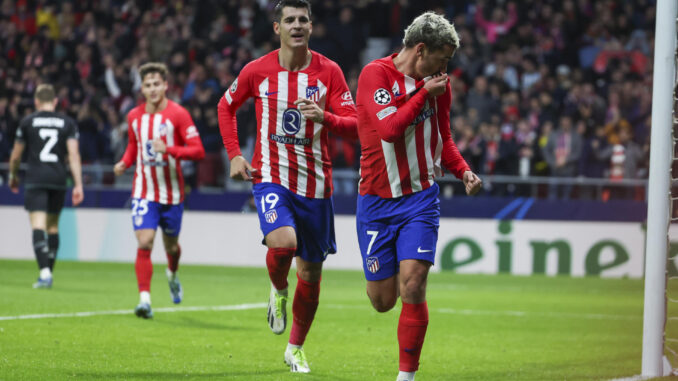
451,157
343,118
375,96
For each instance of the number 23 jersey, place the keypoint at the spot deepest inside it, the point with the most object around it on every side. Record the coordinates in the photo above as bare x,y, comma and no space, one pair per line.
45,135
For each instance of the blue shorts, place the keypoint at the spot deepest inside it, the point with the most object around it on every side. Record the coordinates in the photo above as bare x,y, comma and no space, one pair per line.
149,214
393,229
311,218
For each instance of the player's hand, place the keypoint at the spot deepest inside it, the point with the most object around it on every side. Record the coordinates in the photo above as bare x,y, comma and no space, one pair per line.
78,195
241,169
472,183
159,146
14,183
310,110
436,85
119,168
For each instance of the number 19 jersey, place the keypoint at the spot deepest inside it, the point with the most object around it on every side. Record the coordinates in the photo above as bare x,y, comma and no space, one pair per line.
45,134
290,150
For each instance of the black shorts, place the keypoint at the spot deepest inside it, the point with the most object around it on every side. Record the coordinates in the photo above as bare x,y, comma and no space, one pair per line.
44,200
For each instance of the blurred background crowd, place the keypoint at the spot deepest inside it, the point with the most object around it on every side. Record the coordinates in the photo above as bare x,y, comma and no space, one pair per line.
558,88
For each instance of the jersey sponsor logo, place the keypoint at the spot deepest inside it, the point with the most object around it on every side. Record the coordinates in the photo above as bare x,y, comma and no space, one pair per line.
423,115
152,163
396,89
149,151
372,264
313,93
271,216
420,250
269,93
386,112
234,85
291,121
347,99
49,122
191,132
382,97
290,140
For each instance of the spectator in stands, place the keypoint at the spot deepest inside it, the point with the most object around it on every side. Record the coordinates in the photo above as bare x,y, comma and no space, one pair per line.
562,153
623,157
575,57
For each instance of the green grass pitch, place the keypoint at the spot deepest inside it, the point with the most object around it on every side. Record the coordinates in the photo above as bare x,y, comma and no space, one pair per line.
481,327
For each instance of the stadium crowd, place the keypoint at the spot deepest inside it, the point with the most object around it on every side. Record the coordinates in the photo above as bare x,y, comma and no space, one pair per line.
540,88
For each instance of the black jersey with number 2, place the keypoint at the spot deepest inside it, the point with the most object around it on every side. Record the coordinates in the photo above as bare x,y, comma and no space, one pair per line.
45,134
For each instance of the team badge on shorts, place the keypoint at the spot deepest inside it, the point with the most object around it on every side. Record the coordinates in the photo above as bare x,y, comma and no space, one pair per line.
372,264
271,216
138,220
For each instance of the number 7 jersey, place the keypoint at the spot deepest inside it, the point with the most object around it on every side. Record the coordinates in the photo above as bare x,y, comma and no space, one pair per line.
45,134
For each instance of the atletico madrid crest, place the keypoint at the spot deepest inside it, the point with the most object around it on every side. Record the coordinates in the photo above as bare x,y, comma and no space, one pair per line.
271,216
372,264
313,93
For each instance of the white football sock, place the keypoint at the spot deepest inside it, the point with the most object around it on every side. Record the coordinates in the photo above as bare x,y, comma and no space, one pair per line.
145,297
45,273
409,376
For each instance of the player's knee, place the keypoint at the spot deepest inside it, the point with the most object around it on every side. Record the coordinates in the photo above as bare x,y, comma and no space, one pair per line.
413,288
382,305
145,244
381,302
283,244
172,249
309,275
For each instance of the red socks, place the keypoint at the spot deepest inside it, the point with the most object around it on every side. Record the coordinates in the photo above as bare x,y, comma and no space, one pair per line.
303,309
278,262
144,269
173,260
411,332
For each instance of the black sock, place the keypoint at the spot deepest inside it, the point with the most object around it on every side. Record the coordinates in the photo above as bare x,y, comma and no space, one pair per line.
53,243
40,248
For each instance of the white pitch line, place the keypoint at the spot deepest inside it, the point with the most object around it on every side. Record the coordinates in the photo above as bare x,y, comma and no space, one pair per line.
250,306
236,307
453,311
539,313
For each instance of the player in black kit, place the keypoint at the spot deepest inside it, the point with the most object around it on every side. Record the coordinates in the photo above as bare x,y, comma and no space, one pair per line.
49,138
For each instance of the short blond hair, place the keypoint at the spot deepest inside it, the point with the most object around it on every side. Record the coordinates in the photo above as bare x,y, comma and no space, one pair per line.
45,93
433,30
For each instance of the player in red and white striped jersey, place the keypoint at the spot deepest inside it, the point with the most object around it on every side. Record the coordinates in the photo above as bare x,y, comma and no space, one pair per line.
299,96
291,148
403,106
161,134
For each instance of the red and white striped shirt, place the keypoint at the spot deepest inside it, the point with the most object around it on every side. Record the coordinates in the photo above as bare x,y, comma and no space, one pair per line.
158,176
404,133
290,150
